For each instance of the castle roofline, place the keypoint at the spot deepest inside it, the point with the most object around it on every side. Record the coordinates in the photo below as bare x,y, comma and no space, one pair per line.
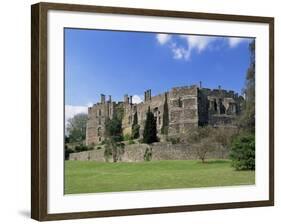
215,90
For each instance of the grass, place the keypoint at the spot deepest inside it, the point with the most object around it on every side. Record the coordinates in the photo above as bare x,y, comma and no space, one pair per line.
90,176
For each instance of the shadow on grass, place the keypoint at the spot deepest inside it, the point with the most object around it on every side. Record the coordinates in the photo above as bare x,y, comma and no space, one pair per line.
221,161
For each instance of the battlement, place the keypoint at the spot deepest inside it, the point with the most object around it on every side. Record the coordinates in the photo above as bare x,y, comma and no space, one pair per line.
219,93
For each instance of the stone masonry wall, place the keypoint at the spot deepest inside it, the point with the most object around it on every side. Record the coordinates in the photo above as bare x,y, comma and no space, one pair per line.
160,151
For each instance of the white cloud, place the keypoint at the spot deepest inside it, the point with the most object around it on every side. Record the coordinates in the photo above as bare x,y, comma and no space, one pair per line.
137,99
234,41
90,104
183,51
198,43
180,52
163,38
194,43
71,111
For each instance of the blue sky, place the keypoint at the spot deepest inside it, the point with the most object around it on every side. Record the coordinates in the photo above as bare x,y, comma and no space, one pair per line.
117,63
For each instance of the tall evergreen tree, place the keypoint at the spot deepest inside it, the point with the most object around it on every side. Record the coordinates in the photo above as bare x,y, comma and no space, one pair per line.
247,121
150,128
242,151
135,127
165,124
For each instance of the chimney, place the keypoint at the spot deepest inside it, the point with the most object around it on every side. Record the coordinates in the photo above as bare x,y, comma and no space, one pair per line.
145,96
149,94
102,98
200,84
131,100
109,98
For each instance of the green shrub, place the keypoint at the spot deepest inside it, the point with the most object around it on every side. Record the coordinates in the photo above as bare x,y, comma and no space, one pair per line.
114,149
135,131
67,151
127,137
131,142
90,147
98,147
81,148
242,152
148,154
173,140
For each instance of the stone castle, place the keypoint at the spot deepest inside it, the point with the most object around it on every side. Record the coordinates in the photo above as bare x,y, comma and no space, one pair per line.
188,107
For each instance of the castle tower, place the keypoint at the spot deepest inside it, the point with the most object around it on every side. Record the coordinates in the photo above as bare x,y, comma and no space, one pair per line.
102,98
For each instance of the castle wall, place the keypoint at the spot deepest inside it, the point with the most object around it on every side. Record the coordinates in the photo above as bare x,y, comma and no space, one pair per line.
223,106
156,105
97,116
183,110
188,107
160,151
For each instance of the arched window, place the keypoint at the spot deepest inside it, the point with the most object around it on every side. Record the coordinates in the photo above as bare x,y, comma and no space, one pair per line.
180,102
222,108
215,105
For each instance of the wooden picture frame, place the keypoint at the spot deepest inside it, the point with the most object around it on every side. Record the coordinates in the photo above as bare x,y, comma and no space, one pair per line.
39,109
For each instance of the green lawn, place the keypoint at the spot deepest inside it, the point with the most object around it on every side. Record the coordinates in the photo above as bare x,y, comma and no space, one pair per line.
89,176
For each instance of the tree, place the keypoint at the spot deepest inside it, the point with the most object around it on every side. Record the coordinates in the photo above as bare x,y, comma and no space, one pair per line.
202,140
223,136
113,128
135,127
247,119
150,128
202,148
113,133
114,149
242,152
67,152
76,128
66,139
165,124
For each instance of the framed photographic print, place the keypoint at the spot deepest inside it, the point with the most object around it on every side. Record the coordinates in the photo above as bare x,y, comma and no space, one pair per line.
140,111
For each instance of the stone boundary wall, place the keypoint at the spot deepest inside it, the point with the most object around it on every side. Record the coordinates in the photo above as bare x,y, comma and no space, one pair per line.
160,151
